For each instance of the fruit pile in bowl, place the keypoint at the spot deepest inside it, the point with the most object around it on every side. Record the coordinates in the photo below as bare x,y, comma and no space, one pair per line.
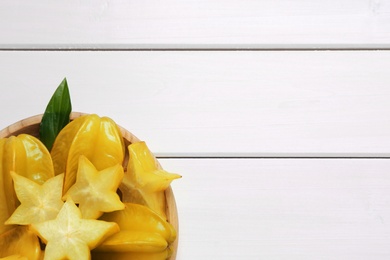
78,186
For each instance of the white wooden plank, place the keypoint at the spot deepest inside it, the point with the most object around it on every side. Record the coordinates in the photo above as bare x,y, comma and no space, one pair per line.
282,103
283,209
202,23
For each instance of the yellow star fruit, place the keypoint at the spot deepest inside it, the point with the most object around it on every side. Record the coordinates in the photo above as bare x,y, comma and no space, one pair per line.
97,138
145,182
135,217
134,241
141,230
95,191
27,156
39,203
69,236
20,241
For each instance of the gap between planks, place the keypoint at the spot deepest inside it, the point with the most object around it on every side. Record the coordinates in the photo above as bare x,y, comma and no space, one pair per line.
196,47
297,157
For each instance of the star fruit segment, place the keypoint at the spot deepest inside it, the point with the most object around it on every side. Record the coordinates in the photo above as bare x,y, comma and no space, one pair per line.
71,237
27,156
20,241
133,241
139,218
141,230
95,191
39,203
97,138
145,182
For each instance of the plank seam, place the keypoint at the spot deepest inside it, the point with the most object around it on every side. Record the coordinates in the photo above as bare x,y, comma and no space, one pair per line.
273,157
185,49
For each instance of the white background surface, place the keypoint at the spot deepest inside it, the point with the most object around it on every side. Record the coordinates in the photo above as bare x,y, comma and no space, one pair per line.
276,113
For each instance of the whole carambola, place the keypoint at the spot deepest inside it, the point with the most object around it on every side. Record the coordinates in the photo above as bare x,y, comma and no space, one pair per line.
97,138
141,230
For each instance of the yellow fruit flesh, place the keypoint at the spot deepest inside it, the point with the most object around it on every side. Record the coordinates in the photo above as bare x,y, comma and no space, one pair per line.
95,191
20,241
71,237
39,203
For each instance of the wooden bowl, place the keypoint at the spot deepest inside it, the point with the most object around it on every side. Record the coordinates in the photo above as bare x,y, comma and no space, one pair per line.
31,126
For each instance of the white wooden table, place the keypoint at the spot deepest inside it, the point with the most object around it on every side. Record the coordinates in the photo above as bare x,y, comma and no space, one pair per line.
276,113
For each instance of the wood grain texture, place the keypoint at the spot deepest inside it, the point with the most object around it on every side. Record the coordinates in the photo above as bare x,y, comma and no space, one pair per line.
282,103
283,209
195,24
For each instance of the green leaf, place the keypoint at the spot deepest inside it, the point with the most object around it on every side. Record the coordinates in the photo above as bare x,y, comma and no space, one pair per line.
56,115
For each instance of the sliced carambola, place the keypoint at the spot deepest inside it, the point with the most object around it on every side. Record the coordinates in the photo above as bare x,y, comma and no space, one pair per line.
97,138
95,191
39,203
71,237
145,182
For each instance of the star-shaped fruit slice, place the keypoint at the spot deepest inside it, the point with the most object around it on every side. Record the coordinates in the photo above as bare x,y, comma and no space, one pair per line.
145,181
39,203
69,236
95,191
